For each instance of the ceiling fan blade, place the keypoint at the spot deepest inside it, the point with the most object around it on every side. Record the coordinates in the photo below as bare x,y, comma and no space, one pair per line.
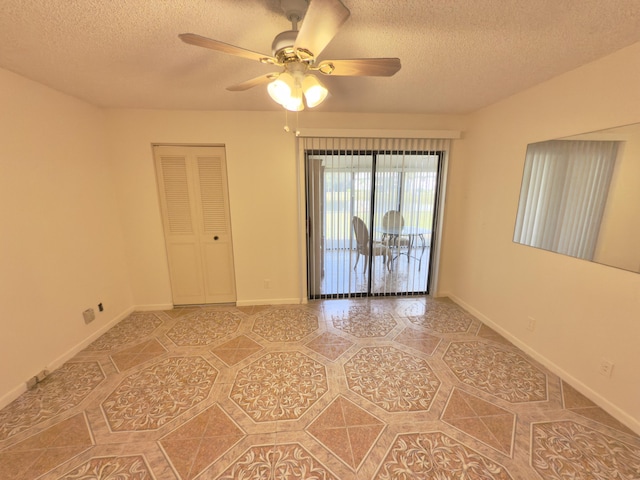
254,82
320,24
193,39
366,67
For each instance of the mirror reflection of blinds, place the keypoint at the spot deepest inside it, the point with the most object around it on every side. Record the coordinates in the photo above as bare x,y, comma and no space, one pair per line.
564,192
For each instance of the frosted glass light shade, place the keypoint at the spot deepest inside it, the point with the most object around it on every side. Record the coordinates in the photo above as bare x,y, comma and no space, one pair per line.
281,88
294,102
314,91
288,90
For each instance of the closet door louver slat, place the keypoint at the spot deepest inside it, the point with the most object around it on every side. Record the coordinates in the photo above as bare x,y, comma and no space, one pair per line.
212,195
176,193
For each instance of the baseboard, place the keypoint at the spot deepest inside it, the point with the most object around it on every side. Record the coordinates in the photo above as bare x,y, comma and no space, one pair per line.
599,400
69,354
239,303
66,356
10,396
152,308
270,301
442,295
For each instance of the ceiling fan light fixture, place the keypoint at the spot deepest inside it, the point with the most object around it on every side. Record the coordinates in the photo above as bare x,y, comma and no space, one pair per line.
314,91
287,90
280,90
294,102
296,52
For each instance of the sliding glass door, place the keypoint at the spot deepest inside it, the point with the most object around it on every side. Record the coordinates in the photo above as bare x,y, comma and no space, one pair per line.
371,215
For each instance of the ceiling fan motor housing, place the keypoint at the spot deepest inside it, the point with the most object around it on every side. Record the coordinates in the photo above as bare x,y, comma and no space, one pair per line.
283,40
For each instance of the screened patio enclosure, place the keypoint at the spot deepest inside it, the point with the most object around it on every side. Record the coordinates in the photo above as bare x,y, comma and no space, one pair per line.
371,215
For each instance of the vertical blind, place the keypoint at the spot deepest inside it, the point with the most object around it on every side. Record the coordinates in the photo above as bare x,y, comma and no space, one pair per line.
564,192
366,178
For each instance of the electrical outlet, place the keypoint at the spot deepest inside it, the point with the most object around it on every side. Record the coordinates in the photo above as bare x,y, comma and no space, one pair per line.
89,315
267,283
606,367
100,307
531,325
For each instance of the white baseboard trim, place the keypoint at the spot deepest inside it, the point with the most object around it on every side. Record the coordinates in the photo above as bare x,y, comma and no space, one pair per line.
69,354
442,295
152,308
270,301
10,396
602,402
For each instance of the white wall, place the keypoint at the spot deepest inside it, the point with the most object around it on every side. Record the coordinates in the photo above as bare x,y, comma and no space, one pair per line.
81,221
262,189
61,246
584,311
263,186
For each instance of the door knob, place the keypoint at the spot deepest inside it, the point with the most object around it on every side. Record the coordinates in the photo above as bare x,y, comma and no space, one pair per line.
216,237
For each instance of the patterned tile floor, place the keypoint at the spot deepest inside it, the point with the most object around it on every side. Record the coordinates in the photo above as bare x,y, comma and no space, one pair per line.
402,388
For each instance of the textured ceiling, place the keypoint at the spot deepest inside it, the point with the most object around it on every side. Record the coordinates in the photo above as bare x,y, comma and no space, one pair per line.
457,56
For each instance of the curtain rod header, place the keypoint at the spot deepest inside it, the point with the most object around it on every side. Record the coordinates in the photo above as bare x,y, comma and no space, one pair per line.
377,133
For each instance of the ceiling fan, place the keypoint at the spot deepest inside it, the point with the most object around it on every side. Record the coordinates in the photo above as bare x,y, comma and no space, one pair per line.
296,51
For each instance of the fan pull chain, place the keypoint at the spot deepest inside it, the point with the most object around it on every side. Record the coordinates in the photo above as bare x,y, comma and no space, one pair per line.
286,123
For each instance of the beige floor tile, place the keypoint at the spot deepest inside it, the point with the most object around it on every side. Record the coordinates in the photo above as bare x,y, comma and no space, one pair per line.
353,389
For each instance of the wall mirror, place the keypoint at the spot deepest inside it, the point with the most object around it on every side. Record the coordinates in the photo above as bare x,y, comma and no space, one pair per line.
580,196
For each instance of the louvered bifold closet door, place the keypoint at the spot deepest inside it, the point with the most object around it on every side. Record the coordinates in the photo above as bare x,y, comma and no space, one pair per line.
217,249
193,191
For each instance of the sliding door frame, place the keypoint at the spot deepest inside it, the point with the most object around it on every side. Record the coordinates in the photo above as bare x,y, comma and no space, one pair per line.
313,236
441,140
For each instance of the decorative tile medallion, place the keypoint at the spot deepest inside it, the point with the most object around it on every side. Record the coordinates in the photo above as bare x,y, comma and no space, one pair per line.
277,462
565,449
131,329
435,455
492,425
279,386
203,328
347,430
329,345
440,316
64,389
46,450
236,350
496,371
132,467
392,379
137,354
285,325
364,321
194,446
161,392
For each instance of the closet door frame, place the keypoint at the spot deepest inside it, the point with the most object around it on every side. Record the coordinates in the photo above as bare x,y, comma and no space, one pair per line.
196,223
